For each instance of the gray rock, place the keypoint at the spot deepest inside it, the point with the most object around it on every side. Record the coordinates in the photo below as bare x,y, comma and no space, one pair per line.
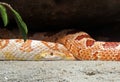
59,71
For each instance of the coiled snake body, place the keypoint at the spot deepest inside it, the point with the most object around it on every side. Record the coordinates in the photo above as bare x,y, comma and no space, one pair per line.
61,46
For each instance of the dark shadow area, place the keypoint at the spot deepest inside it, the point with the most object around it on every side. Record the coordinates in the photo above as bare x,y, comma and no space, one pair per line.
101,19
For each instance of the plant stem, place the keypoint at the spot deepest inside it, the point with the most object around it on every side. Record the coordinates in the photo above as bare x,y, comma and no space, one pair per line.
7,5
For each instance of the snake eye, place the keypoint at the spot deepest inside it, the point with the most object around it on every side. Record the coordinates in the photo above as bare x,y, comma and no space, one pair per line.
51,54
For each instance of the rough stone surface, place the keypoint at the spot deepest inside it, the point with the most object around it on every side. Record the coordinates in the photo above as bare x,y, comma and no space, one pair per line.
59,71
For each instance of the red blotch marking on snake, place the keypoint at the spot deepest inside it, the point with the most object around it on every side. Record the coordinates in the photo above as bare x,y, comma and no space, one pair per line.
82,36
110,44
89,43
54,47
95,56
19,40
26,47
3,43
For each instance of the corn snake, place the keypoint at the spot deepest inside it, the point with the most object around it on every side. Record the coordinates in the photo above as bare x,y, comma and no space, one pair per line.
60,46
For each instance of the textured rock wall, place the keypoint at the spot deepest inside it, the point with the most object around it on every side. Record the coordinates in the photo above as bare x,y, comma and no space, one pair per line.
62,13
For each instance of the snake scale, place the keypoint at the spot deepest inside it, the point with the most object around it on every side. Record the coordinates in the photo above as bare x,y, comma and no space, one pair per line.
64,45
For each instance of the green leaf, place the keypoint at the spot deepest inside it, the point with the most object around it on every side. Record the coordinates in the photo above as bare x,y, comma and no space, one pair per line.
4,15
21,24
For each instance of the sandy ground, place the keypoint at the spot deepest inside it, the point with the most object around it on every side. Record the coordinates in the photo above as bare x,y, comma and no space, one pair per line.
59,71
